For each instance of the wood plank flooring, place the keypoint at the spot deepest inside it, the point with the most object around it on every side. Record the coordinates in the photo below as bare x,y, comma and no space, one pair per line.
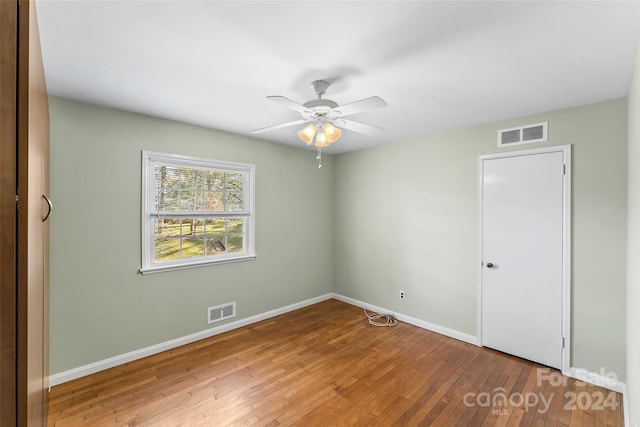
324,365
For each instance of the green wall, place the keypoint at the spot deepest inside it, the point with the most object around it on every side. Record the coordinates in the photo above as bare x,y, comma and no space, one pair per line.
405,218
633,253
100,306
368,224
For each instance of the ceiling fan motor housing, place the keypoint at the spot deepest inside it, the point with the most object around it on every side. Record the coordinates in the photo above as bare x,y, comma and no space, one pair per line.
319,107
319,86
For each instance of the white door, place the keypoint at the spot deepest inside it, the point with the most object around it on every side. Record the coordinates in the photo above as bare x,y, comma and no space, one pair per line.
522,255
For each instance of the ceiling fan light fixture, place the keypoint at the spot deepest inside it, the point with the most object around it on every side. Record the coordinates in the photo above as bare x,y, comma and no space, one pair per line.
307,134
332,132
322,140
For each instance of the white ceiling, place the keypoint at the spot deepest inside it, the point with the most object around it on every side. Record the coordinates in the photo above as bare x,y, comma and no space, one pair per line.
439,65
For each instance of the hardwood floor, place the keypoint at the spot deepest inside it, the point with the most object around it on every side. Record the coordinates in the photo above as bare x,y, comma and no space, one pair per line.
324,365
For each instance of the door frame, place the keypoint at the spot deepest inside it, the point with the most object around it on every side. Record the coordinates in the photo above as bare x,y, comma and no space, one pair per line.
566,241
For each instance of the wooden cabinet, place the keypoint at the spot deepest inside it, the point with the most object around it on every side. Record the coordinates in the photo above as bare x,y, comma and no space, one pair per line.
8,213
24,226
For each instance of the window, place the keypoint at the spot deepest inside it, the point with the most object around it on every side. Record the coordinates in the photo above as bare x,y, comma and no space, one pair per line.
195,212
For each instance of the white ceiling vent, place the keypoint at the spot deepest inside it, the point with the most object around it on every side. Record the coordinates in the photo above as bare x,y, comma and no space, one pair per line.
523,135
221,312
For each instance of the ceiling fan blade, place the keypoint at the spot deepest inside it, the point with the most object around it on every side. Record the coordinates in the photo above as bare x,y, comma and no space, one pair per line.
358,127
288,103
283,125
366,104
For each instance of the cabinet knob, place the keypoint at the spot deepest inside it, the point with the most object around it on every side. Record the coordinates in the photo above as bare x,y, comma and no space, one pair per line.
50,207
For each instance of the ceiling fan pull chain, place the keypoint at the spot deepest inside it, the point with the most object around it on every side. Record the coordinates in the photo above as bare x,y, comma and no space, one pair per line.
319,157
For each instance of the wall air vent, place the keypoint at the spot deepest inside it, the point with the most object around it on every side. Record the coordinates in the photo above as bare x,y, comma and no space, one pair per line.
523,134
221,312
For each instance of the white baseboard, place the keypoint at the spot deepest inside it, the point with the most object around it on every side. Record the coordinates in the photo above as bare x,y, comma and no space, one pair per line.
597,379
101,365
451,333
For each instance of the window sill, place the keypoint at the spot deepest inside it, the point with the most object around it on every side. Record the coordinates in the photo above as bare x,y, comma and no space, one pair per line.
194,264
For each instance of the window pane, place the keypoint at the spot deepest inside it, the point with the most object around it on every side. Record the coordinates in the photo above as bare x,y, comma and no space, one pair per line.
190,178
166,239
195,237
167,200
189,200
188,189
215,245
166,227
192,246
213,201
199,201
233,181
187,228
235,243
216,226
235,225
216,229
234,202
166,177
199,227
213,180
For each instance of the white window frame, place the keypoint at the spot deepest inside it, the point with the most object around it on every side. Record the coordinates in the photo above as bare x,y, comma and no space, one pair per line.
149,213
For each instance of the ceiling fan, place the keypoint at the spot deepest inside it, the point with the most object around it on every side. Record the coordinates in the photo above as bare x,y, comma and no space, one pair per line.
326,117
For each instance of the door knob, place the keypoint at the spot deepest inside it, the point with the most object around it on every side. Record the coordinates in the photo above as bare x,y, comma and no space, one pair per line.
490,265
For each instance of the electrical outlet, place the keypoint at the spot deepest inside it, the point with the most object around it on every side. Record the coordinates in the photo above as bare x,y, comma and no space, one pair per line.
402,295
